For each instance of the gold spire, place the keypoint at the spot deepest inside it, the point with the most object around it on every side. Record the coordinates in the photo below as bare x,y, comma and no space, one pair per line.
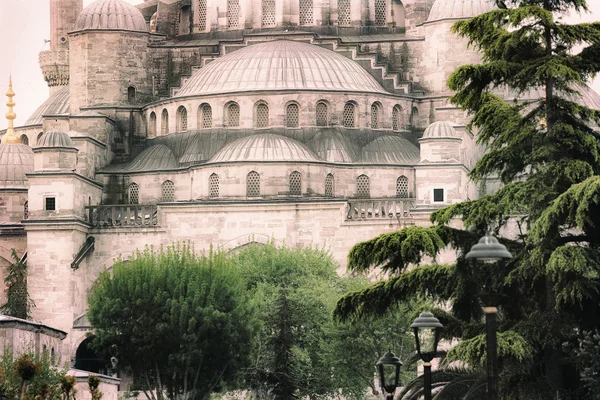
9,136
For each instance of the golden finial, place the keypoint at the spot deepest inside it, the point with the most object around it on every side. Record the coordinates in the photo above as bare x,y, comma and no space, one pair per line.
10,136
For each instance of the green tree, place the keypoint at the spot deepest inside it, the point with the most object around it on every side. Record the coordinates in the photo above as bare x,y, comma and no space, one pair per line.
180,323
18,303
547,155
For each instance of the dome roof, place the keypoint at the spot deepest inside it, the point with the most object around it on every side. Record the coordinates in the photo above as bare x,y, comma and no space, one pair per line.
16,160
331,145
55,139
440,129
459,9
390,150
56,104
280,65
154,158
111,15
264,147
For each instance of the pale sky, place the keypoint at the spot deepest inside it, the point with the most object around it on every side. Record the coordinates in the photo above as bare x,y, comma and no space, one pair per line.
24,24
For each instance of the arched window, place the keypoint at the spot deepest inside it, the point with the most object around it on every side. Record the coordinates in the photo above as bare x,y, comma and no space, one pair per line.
182,124
233,13
344,12
168,191
152,125
164,122
26,210
252,184
262,116
131,94
133,194
375,116
363,188
402,187
295,184
414,114
396,118
87,357
213,185
349,117
380,12
322,114
185,20
24,139
232,114
268,12
292,115
329,182
39,136
205,116
306,12
202,11
398,15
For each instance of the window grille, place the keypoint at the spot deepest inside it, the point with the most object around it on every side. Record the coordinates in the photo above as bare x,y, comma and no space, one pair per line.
213,185
380,12
152,125
321,114
402,187
133,194
349,115
306,12
295,184
268,12
253,184
202,11
375,116
164,122
363,188
181,119
206,116
50,204
233,115
24,139
438,195
233,13
168,191
26,210
343,12
292,116
329,185
396,118
262,116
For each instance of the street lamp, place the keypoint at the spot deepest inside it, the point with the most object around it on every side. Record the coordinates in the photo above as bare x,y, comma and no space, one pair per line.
427,330
389,366
489,250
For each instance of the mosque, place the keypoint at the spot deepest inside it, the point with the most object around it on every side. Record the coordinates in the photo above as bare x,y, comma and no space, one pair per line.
227,122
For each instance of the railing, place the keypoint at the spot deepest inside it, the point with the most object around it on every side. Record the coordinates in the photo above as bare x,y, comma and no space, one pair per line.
360,209
122,215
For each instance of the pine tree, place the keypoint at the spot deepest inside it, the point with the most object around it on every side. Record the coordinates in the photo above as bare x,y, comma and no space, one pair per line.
547,155
18,303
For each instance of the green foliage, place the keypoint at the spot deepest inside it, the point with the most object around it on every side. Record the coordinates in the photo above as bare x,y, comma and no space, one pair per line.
473,351
18,303
180,323
93,385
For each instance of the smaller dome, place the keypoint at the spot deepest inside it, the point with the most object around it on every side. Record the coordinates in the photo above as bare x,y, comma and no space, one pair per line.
264,147
440,129
16,160
459,9
110,15
55,139
154,158
390,150
331,145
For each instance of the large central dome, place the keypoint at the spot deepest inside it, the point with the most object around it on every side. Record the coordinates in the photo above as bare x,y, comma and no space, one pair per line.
280,65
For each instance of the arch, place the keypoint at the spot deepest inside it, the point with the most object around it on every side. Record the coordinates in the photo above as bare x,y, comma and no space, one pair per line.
133,193
344,14
232,114
252,184
322,113
380,12
24,139
363,187
131,94
261,118
292,115
398,16
39,136
306,12
402,187
349,116
397,121
268,12
168,191
414,114
26,210
181,119
329,185
87,359
185,20
202,11
213,185
205,116
164,122
233,13
152,125
376,115
295,184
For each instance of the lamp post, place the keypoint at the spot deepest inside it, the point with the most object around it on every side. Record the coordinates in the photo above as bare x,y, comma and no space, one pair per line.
427,330
389,374
489,250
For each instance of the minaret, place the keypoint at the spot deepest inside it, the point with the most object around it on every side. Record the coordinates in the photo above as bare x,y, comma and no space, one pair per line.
55,62
10,137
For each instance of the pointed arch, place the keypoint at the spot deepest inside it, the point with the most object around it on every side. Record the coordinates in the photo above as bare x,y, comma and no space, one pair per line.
152,125
182,119
164,122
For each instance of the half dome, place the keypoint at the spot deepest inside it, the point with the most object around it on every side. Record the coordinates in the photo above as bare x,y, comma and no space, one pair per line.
390,150
56,104
459,9
55,139
264,147
440,129
280,65
331,145
16,160
113,15
154,158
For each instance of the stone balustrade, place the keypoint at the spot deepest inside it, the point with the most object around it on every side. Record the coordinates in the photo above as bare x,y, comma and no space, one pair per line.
363,209
124,215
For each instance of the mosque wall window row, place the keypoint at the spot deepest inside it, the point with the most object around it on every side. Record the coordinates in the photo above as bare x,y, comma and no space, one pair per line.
39,137
152,125
252,184
292,115
26,210
233,13
164,122
349,116
322,114
306,12
268,12
24,139
376,116
295,184
380,12
213,185
329,185
262,116
402,187
396,118
168,191
202,8
133,194
205,116
232,115
182,119
363,187
344,12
